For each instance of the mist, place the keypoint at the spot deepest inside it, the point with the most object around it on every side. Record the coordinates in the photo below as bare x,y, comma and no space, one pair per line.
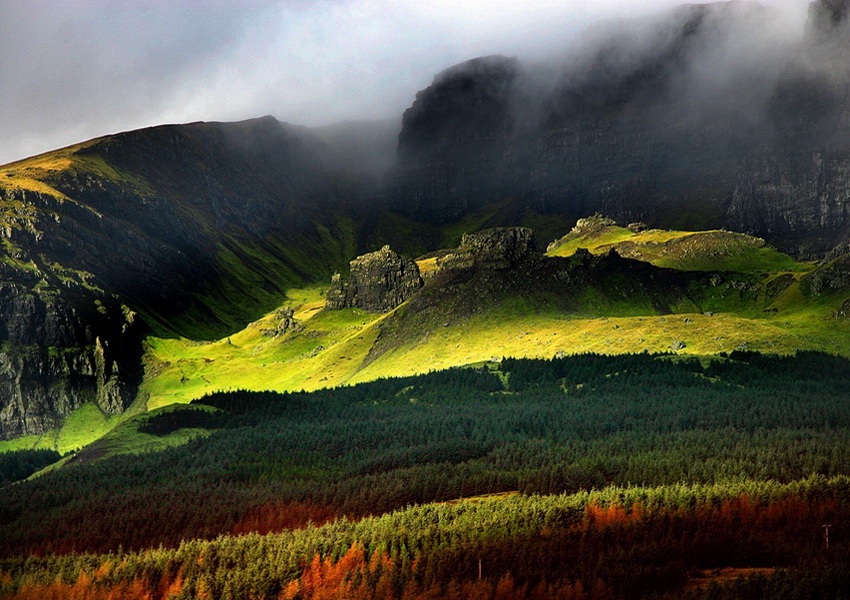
76,69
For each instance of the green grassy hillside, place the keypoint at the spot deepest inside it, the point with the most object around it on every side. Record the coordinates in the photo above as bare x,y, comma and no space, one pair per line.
684,250
481,316
453,322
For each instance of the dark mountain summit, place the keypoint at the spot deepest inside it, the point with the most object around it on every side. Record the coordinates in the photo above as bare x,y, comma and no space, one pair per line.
680,130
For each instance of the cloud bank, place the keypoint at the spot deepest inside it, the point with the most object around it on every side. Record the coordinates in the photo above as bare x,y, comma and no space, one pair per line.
76,69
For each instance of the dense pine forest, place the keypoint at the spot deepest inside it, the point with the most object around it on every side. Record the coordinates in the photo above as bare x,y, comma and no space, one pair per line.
635,476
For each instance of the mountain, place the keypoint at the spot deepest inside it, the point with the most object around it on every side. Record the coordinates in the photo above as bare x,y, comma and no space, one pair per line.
178,219
134,265
574,330
188,230
707,117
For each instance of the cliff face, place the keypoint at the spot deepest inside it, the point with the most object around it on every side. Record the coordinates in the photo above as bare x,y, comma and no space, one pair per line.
673,132
596,134
59,349
458,123
794,188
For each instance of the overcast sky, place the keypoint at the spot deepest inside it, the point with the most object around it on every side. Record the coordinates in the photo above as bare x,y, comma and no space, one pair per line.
76,69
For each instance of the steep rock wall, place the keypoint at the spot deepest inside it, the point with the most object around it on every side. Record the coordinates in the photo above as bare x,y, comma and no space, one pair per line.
59,351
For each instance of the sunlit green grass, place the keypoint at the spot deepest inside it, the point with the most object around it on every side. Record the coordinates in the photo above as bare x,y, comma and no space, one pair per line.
180,370
342,350
79,428
684,250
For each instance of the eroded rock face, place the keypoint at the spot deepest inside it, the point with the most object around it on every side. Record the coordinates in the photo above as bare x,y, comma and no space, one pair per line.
459,123
497,248
58,352
794,186
377,282
831,278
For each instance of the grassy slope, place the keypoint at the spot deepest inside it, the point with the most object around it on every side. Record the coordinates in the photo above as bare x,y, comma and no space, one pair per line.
715,250
338,347
334,347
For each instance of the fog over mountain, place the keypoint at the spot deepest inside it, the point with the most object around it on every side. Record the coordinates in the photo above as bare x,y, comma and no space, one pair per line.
76,70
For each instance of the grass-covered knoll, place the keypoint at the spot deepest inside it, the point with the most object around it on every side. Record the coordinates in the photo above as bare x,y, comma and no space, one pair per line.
716,250
180,370
630,475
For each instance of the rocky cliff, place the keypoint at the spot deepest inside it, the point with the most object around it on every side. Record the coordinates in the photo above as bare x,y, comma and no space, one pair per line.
717,118
377,282
794,188
605,129
60,348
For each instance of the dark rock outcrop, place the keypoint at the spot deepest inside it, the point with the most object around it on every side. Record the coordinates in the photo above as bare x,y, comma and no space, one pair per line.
497,248
377,282
825,16
794,187
465,112
830,278
59,351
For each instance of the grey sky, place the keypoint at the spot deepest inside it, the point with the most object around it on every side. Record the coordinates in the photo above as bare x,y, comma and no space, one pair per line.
76,69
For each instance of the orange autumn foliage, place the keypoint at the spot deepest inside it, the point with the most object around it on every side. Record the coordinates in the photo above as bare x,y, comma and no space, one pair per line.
279,516
88,588
353,577
611,515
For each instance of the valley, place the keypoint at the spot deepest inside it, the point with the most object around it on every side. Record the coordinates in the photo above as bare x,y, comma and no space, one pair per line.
575,329
701,306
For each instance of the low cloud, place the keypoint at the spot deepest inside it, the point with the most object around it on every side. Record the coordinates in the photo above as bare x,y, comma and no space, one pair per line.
76,69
